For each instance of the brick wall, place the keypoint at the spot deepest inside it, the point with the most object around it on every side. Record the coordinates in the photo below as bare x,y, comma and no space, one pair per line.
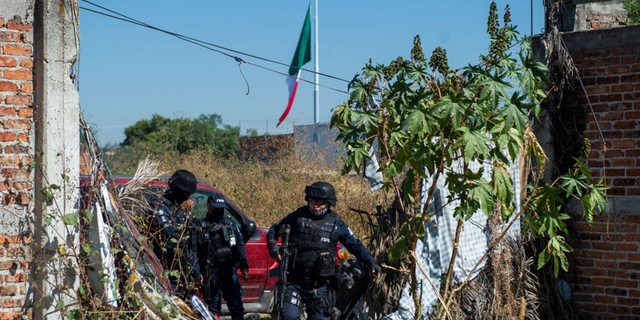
607,256
16,135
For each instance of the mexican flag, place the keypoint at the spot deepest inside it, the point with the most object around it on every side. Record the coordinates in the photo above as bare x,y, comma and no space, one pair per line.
300,58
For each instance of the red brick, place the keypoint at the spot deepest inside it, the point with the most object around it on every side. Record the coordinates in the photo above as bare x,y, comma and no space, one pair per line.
622,162
602,282
611,97
597,90
16,50
8,86
634,293
605,264
622,125
632,153
618,70
594,72
628,301
593,272
629,265
5,186
635,67
626,283
615,273
26,63
16,24
618,309
18,75
25,112
14,173
609,61
615,256
626,247
607,80
584,262
1,23
8,290
9,161
18,124
585,64
23,199
7,136
7,62
615,172
18,277
603,246
8,36
26,88
604,299
18,186
630,78
19,100
15,149
612,116
7,111
622,88
23,137
633,191
616,292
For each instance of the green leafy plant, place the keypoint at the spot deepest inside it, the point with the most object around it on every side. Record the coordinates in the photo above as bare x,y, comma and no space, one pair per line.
633,11
426,117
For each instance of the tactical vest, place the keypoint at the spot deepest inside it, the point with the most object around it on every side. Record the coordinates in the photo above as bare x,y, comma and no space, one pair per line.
314,246
219,244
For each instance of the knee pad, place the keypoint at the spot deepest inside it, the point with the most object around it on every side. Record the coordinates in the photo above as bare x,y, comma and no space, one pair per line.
292,297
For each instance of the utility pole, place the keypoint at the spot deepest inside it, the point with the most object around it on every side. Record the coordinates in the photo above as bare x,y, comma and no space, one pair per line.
316,92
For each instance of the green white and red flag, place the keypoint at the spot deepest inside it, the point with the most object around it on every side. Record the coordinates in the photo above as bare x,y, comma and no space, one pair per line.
300,58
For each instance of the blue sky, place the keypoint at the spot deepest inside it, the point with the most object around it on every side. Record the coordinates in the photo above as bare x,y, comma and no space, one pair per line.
127,73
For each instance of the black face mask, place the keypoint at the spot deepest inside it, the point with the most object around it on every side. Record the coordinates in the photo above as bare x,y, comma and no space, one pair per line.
215,214
176,195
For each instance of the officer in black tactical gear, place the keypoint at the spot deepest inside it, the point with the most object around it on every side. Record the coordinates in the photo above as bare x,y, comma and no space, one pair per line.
171,218
216,251
312,271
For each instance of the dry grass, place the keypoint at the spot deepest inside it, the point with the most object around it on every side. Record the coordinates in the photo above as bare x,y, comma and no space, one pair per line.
269,191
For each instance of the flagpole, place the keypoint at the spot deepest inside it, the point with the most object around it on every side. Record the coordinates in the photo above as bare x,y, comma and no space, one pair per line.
316,92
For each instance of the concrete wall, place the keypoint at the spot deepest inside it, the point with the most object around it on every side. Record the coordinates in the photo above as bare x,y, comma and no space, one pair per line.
607,257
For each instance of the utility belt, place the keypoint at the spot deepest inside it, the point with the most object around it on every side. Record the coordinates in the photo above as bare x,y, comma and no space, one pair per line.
305,280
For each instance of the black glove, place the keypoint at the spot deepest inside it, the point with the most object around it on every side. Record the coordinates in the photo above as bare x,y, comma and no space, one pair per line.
274,250
376,269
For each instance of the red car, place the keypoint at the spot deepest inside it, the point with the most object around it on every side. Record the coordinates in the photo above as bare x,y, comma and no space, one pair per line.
259,289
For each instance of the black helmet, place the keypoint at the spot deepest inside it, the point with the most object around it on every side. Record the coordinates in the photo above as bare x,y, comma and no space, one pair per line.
321,190
183,180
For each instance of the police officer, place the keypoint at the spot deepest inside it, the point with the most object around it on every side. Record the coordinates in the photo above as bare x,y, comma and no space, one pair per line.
171,217
217,250
315,232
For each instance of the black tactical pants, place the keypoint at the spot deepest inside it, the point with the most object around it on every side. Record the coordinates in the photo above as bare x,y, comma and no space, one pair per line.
224,282
311,296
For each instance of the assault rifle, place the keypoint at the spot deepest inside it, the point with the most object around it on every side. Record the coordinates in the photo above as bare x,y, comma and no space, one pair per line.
283,266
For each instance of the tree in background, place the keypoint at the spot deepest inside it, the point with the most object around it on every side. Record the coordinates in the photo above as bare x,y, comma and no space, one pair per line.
206,132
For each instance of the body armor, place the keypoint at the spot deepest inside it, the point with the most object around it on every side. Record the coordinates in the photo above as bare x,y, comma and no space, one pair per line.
218,244
314,246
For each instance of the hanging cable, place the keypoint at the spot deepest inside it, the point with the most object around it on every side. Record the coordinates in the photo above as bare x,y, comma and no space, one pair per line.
140,23
184,38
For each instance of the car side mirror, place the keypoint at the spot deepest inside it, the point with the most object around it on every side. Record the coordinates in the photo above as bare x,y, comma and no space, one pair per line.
248,229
